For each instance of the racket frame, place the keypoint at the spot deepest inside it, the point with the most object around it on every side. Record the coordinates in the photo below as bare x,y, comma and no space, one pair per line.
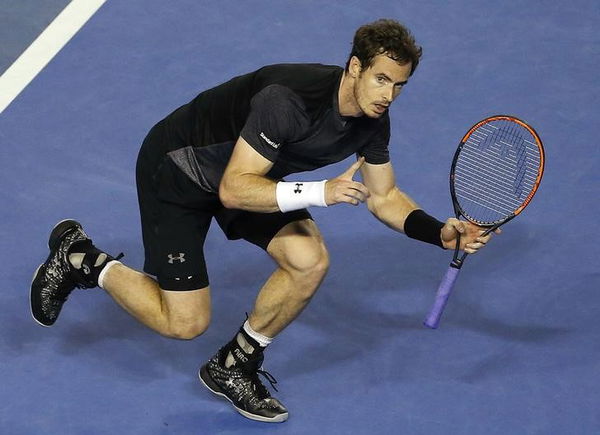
457,260
432,320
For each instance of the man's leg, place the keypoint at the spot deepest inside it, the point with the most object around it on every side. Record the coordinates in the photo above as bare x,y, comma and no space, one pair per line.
75,262
303,261
176,314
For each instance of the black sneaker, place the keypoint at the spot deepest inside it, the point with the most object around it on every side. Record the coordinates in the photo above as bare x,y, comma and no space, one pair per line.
54,279
240,385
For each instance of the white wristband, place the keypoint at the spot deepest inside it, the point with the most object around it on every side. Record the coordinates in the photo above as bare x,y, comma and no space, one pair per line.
301,194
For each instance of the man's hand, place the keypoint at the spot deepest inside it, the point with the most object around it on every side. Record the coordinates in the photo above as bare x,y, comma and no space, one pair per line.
471,239
344,189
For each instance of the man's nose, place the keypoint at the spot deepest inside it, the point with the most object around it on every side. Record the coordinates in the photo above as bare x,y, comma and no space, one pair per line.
388,95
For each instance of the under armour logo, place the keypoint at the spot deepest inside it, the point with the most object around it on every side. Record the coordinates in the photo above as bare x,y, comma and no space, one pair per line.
179,258
297,189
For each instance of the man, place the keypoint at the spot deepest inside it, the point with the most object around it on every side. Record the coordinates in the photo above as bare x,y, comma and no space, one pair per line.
224,155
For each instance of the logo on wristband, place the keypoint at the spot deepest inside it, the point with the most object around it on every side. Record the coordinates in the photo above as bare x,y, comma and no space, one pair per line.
297,189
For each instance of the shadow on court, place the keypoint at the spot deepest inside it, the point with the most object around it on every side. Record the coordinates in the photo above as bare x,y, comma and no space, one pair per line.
344,325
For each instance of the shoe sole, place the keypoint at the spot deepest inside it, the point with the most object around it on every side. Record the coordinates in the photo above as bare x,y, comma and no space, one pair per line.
56,234
213,388
30,298
59,230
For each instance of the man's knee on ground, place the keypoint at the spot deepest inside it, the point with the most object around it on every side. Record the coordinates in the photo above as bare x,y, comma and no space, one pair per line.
187,329
185,314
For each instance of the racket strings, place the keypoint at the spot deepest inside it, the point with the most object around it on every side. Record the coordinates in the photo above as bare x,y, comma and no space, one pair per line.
514,139
495,171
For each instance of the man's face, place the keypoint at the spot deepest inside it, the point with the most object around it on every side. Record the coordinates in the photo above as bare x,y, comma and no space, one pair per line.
376,87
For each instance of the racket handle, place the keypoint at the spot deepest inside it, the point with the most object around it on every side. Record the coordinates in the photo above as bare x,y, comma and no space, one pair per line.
433,319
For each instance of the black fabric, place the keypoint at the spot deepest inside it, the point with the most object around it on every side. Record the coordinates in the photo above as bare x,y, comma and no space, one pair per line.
277,117
289,113
421,226
176,215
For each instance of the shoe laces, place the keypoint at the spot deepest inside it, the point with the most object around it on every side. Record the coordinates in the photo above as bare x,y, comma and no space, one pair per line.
251,370
269,377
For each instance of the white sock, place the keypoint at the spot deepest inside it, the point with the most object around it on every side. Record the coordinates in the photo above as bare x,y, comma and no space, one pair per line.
263,340
104,270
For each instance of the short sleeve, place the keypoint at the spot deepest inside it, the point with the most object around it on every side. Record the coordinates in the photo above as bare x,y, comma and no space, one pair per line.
376,151
277,116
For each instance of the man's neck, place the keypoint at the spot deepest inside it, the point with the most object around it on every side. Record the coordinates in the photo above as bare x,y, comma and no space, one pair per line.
347,103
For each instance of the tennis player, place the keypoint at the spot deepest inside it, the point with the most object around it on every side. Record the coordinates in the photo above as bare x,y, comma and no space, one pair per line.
224,155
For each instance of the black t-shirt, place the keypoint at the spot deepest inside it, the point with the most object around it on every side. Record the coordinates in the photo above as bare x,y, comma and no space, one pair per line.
288,113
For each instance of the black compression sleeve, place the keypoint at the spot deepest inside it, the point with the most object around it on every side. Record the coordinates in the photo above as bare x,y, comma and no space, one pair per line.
420,226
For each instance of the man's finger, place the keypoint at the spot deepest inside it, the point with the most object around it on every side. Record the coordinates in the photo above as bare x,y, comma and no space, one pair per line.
457,224
355,194
352,169
361,188
352,199
484,239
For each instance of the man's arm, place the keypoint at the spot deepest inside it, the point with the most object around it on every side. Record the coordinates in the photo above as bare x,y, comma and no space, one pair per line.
387,203
392,206
244,184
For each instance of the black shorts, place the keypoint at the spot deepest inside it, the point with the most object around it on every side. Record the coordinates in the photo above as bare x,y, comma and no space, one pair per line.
176,215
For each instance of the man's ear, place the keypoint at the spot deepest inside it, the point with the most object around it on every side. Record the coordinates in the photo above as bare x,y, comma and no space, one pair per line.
355,67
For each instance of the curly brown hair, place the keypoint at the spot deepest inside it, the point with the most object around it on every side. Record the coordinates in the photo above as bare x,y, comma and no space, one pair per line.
385,36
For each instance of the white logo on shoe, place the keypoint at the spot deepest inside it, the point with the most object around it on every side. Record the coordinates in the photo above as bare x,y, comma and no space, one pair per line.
240,355
179,258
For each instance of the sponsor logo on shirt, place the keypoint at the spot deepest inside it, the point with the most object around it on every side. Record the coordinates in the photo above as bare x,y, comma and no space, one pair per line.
269,141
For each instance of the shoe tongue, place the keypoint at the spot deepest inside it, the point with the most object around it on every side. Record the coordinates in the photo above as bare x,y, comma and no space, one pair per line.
82,246
253,364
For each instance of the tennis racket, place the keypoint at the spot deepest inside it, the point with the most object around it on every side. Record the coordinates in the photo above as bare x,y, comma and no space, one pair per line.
495,172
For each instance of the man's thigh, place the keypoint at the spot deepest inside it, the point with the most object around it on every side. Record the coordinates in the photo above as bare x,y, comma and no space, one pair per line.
261,228
175,215
177,254
174,236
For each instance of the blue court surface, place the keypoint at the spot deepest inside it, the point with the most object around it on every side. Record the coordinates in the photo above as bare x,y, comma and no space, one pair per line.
518,349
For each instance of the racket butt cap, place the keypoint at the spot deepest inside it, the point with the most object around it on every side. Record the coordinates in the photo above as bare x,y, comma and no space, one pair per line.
431,325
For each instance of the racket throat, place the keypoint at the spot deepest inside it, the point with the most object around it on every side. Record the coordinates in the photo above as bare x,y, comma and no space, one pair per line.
457,263
458,260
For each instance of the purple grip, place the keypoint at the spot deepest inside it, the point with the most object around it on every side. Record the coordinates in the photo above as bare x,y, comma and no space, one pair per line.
433,319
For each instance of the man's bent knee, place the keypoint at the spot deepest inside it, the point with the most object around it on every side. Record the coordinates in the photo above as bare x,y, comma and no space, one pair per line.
187,330
307,258
300,250
187,313
308,269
